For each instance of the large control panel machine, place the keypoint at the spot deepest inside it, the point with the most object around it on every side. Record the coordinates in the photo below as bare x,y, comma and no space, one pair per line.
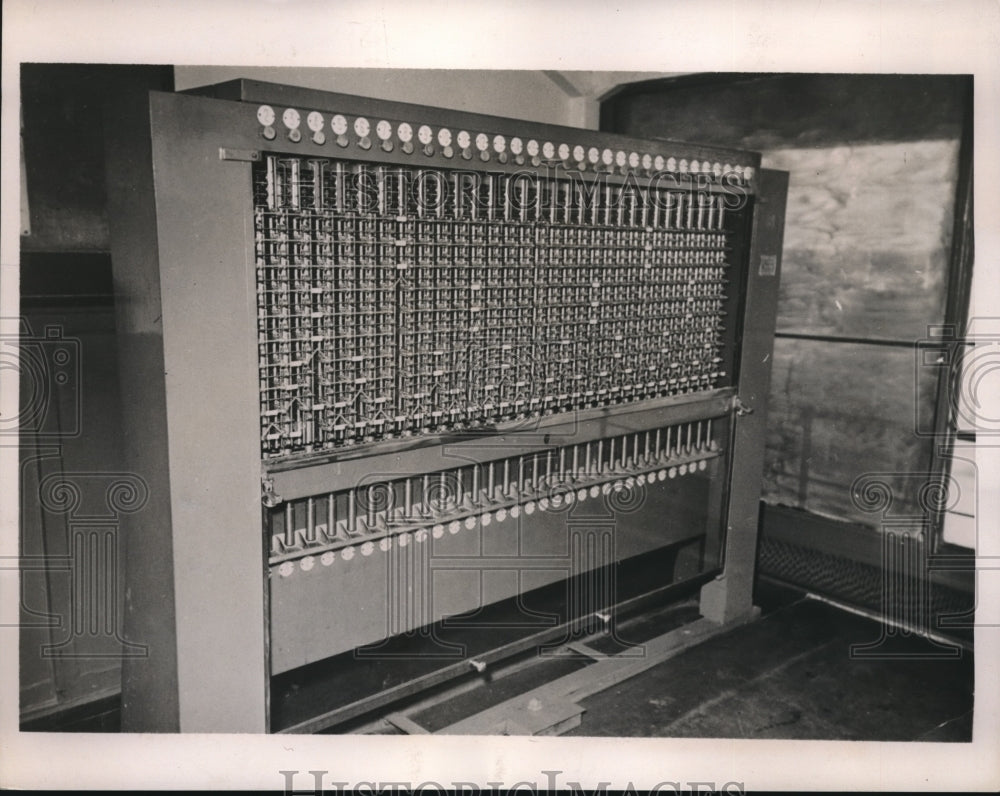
415,390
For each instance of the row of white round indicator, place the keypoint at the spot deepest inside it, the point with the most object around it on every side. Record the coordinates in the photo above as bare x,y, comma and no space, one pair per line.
555,502
483,144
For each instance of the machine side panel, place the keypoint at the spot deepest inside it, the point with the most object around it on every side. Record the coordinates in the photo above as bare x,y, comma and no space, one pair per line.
210,364
732,594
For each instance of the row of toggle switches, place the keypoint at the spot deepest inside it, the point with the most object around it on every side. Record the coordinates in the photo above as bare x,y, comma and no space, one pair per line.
372,516
485,147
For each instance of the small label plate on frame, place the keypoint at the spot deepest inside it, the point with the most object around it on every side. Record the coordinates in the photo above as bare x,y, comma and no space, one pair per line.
768,265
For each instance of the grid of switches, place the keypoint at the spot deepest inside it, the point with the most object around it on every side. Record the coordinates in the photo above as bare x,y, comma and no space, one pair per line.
396,302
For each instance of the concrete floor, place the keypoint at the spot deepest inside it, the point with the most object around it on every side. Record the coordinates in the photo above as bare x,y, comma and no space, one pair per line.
792,675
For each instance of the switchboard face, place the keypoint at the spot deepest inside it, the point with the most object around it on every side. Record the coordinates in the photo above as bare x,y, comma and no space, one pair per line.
398,301
438,281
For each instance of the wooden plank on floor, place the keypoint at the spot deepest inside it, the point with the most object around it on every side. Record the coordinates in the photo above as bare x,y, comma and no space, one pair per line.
586,651
553,716
406,724
594,678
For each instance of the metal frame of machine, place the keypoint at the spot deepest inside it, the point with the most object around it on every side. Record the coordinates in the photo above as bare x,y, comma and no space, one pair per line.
278,375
